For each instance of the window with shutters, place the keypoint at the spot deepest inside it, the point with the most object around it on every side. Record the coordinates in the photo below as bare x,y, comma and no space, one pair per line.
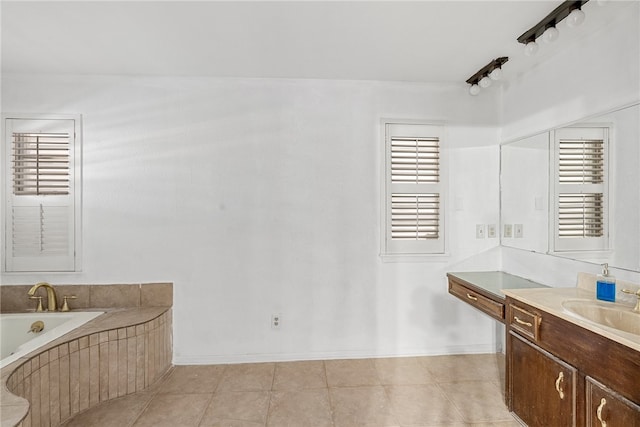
580,180
413,196
42,189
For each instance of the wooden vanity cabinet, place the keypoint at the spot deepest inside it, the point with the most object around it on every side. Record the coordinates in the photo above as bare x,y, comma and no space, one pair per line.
558,373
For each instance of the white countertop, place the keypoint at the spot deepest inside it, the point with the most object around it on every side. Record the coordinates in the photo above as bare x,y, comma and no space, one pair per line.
550,300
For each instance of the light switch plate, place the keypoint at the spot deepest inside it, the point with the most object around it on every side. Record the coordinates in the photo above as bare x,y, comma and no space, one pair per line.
508,230
491,231
517,231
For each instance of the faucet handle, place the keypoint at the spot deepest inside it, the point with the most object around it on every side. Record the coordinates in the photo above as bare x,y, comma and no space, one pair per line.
39,309
636,293
65,305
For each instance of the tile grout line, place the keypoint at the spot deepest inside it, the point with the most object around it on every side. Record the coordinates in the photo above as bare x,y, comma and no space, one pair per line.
446,396
385,392
204,411
326,383
331,400
153,394
213,394
270,391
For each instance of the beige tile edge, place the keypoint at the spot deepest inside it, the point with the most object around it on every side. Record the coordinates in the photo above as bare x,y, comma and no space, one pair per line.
13,298
16,377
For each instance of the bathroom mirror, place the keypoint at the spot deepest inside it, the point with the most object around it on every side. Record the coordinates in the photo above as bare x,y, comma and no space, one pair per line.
526,182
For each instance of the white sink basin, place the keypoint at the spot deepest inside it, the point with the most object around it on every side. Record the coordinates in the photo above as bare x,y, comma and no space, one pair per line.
617,316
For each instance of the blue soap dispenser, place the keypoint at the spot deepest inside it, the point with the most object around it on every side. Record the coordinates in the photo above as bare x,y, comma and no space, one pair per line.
606,285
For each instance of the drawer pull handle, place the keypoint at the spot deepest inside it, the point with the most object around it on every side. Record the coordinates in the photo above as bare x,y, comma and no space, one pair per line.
599,412
471,297
558,385
522,322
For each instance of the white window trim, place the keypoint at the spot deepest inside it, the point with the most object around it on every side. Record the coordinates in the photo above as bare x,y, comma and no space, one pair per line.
601,248
385,254
5,185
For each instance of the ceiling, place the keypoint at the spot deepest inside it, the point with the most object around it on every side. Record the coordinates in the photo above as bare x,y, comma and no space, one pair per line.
416,41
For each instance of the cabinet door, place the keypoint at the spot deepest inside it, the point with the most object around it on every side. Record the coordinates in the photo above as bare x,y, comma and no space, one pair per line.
606,408
543,387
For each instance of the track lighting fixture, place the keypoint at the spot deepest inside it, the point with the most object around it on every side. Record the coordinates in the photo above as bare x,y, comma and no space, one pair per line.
486,75
546,28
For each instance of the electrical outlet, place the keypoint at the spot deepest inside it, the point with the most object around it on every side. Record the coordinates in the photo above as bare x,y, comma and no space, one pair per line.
276,321
491,231
480,231
508,230
517,231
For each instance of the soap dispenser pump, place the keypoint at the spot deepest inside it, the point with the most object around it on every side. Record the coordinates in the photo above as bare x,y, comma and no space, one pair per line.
606,285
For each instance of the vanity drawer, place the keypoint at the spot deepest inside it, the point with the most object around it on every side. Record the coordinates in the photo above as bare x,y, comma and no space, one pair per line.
524,321
493,308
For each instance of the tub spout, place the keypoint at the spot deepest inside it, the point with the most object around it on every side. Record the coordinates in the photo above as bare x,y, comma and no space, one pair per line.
52,301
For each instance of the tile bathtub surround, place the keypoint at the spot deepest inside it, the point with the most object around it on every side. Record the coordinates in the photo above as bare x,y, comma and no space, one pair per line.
14,298
73,376
401,392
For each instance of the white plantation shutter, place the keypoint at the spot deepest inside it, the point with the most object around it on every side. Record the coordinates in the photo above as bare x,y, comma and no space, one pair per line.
413,207
581,161
41,221
580,184
415,160
40,163
415,216
580,215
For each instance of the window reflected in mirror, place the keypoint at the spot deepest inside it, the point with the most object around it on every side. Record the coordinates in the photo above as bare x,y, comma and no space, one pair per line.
551,211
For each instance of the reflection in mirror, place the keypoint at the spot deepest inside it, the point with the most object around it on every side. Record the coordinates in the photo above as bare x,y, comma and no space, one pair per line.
526,182
580,191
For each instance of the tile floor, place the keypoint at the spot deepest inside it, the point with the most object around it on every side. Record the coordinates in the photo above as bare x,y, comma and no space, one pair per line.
444,391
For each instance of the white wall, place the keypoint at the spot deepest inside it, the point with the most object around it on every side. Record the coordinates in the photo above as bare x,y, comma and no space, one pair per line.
588,78
263,196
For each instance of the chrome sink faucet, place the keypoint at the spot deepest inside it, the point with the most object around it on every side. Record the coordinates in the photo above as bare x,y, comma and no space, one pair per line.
636,293
52,301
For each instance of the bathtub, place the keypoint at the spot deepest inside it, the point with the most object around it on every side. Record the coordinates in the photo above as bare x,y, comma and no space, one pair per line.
16,339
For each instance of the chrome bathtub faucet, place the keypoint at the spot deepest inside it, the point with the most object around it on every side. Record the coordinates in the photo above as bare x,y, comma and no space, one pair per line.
52,300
